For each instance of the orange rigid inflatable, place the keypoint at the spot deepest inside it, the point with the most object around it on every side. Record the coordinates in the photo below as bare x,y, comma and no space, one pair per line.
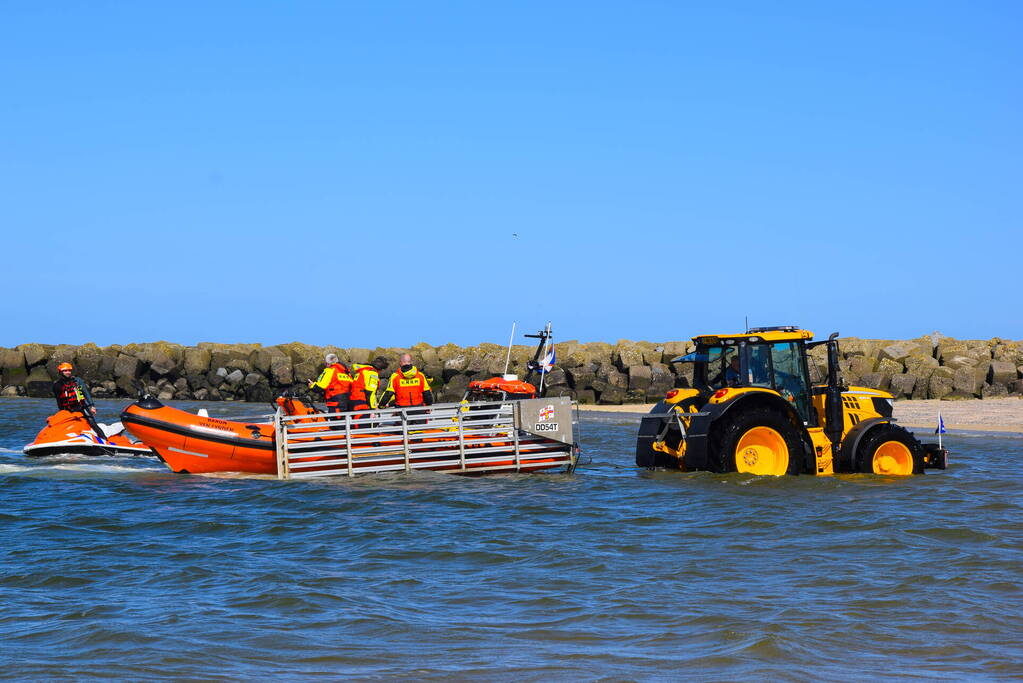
192,443
197,444
503,386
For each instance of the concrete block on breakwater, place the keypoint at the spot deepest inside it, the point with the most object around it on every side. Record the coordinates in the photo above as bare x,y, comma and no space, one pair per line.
930,367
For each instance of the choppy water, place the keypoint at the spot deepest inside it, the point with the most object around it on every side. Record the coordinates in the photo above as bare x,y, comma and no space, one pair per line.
115,567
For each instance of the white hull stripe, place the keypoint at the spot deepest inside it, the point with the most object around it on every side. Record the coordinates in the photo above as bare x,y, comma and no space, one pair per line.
178,450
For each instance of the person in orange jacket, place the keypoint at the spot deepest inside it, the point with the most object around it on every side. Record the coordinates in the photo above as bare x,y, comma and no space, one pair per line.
336,383
365,380
408,386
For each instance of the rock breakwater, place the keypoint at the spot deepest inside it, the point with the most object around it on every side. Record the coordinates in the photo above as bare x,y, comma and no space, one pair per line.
931,367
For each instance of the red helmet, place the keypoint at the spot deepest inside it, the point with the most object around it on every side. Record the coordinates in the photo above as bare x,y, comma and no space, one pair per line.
64,366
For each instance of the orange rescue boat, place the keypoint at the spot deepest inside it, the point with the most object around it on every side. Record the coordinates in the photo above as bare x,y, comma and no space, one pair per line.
189,442
465,438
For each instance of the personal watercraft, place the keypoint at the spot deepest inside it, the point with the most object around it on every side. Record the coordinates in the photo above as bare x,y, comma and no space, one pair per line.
69,432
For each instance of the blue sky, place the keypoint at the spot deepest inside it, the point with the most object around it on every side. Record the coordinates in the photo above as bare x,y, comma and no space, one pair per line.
369,174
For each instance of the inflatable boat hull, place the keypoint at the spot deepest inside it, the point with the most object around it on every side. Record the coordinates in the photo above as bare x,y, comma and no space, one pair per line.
196,444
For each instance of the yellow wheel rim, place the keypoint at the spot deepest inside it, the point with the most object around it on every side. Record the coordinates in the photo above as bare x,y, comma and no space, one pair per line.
762,451
892,457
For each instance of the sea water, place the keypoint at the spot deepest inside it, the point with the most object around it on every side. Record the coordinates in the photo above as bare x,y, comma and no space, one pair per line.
115,567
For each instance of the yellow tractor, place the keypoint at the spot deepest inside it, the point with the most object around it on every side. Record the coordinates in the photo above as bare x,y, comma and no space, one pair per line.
752,408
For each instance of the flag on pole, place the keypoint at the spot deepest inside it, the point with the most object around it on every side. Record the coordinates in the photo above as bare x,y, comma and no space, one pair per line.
941,425
547,362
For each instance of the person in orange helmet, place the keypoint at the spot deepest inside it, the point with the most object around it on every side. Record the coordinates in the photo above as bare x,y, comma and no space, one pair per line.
73,396
71,393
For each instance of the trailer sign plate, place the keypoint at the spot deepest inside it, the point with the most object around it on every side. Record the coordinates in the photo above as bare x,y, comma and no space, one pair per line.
549,417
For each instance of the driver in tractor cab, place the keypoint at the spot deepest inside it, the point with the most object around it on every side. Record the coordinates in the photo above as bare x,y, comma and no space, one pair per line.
408,386
731,376
73,396
732,373
336,384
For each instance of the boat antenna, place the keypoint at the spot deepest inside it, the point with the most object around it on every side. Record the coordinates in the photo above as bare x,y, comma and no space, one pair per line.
547,350
507,359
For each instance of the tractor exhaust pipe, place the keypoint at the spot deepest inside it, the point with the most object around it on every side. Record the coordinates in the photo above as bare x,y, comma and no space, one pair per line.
833,417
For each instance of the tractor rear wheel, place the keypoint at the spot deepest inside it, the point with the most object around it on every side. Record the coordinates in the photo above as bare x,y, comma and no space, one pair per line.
889,449
759,441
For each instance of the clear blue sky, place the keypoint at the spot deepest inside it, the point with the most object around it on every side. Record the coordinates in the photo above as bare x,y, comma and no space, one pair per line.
384,173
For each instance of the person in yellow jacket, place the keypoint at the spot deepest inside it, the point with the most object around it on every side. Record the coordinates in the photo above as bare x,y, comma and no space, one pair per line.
408,387
365,380
336,383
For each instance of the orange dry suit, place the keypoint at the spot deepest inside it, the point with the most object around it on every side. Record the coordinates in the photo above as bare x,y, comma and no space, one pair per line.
365,380
409,388
336,384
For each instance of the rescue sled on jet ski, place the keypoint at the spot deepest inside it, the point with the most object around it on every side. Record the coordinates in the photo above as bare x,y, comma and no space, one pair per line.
501,433
69,432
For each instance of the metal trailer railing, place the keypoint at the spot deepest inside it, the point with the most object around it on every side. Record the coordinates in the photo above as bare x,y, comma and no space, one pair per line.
510,436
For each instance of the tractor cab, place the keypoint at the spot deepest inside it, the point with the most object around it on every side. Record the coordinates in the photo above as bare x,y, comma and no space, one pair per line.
771,358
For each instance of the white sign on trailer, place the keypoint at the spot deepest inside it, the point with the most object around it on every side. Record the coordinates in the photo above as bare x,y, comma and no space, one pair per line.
547,417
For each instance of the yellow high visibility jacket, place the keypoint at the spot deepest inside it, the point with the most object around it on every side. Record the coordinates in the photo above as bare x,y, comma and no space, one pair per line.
333,380
365,380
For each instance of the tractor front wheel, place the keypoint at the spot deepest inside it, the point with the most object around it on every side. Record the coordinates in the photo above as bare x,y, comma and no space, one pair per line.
891,450
758,441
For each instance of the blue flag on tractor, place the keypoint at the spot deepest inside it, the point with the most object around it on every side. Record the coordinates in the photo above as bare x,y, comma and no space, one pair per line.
941,426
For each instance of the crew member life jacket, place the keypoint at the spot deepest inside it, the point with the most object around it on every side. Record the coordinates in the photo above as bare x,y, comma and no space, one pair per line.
365,380
334,380
408,387
70,395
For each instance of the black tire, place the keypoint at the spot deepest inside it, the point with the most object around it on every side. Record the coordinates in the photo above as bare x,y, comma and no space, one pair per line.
726,436
890,437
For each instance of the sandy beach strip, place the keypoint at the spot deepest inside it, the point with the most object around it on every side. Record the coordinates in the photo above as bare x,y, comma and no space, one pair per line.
991,415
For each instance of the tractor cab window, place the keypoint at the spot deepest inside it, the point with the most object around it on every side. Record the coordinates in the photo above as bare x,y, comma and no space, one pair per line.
760,366
790,378
721,368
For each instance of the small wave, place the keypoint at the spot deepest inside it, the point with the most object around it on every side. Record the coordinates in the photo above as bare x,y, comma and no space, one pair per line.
40,466
88,467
